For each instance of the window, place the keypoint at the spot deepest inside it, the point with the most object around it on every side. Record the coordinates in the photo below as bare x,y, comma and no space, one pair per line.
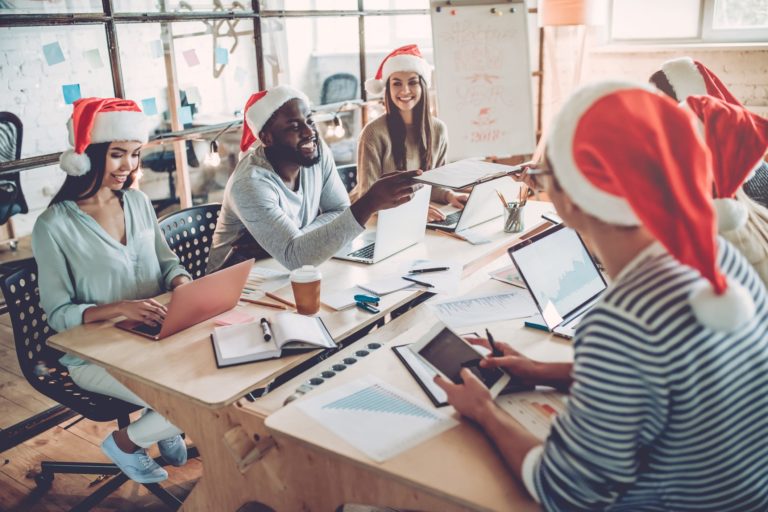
690,20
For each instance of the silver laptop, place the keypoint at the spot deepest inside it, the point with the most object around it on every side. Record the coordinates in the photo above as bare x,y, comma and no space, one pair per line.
561,276
396,229
482,205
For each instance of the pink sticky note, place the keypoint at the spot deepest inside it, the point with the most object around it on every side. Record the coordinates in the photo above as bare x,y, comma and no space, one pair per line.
233,316
191,57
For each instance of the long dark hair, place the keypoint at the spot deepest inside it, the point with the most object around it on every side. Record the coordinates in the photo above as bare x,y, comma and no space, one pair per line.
76,188
422,119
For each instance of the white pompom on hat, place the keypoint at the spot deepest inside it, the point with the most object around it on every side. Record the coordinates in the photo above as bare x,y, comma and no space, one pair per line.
260,107
630,156
97,120
405,58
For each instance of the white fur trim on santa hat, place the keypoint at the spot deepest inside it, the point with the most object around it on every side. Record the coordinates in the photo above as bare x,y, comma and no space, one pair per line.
731,214
684,77
112,126
604,206
374,88
260,112
726,312
418,65
74,164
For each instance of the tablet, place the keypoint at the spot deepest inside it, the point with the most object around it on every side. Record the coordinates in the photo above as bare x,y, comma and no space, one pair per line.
447,354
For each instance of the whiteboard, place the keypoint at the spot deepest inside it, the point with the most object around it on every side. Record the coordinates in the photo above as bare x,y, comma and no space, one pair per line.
483,79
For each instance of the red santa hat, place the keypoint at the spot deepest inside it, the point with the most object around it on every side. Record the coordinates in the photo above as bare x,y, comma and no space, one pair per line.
96,120
405,58
260,107
692,78
629,156
738,140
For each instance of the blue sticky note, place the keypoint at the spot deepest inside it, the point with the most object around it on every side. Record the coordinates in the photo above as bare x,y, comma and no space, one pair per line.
222,56
156,47
53,53
71,93
185,115
149,106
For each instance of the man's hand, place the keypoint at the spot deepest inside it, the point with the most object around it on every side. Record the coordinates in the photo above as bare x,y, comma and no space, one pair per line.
389,191
459,200
434,214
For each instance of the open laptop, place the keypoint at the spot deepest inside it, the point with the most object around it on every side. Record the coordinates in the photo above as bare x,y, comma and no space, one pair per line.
561,276
196,301
396,229
482,205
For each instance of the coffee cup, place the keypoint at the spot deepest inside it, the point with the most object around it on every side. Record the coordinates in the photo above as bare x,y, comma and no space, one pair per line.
305,282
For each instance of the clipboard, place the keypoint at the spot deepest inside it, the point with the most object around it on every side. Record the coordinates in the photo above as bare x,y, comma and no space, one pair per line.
422,373
467,173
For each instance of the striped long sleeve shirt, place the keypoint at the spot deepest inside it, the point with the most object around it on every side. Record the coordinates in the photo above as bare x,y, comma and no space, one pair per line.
664,413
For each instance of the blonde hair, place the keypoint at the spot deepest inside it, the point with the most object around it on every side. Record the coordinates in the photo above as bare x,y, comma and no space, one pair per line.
752,238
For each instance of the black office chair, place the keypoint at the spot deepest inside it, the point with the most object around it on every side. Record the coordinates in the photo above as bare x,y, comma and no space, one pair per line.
12,199
189,233
339,87
348,174
40,366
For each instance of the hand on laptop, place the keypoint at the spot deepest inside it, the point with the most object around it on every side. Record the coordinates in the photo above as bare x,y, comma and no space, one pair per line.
148,311
434,214
457,199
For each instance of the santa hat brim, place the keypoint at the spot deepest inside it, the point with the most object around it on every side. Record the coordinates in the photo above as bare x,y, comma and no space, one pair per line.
114,126
260,112
684,77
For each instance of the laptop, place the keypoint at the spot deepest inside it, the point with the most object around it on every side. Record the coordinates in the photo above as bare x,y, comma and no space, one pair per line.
482,205
561,276
396,229
196,301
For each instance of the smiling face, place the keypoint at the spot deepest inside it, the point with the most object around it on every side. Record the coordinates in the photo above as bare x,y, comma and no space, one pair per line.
291,134
405,89
122,159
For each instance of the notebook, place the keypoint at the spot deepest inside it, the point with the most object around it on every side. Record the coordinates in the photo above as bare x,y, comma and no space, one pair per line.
244,343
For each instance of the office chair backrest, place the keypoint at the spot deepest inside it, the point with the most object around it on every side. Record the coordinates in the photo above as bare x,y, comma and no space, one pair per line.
13,201
189,234
40,363
339,87
348,174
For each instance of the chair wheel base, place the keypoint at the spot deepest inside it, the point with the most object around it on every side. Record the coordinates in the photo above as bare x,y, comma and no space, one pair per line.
44,480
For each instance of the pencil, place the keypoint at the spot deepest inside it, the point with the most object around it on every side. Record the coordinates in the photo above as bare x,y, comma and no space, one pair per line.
280,299
262,303
501,198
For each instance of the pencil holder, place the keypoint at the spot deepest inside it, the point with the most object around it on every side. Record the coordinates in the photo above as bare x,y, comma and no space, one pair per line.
513,218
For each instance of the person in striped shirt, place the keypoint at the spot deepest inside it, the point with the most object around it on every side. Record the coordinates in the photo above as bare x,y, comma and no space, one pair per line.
667,403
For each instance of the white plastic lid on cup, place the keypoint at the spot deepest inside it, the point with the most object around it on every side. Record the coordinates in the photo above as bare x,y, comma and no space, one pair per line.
306,274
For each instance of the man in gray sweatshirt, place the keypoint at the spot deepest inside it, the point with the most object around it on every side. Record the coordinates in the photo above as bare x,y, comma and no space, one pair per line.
285,198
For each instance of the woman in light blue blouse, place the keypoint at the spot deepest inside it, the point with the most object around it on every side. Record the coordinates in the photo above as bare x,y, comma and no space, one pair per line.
101,254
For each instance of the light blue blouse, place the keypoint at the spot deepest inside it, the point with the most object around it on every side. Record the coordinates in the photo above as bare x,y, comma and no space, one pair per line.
80,265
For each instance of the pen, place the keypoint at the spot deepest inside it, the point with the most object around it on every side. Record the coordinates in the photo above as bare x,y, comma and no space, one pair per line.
425,270
366,307
495,350
262,303
422,283
265,327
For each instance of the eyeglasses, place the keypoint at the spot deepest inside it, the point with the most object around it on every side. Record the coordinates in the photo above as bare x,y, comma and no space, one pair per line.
535,176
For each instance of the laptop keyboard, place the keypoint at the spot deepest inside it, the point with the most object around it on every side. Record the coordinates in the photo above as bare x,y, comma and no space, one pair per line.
450,219
364,253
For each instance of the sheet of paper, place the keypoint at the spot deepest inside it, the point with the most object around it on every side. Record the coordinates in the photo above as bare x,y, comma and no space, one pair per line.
267,279
376,418
473,237
480,309
340,299
446,281
464,172
232,317
387,284
509,275
534,410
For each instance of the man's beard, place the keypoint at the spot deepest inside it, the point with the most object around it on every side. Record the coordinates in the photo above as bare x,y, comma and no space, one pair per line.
286,153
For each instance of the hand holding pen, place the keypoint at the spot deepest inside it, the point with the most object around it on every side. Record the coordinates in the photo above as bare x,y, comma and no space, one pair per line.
495,350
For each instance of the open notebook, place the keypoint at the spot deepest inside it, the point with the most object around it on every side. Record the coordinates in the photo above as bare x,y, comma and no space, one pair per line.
244,343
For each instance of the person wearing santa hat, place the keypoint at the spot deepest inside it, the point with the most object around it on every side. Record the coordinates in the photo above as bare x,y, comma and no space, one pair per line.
285,198
407,136
683,77
738,139
667,403
100,254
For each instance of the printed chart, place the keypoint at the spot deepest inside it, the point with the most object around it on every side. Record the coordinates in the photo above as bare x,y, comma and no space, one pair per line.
534,410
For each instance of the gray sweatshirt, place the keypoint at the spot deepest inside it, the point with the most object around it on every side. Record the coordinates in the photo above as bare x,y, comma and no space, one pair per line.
302,227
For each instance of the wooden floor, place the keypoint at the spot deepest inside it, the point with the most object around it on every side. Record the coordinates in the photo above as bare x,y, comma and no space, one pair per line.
69,441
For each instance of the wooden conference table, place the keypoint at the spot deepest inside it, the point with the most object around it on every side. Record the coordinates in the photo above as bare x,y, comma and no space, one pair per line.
179,378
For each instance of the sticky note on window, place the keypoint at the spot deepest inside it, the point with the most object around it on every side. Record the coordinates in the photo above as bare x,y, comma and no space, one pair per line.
53,53
191,57
93,58
222,56
71,93
193,95
185,115
149,106
156,47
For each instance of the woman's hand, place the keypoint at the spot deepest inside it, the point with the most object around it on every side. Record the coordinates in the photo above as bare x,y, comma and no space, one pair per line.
148,311
434,214
459,200
471,398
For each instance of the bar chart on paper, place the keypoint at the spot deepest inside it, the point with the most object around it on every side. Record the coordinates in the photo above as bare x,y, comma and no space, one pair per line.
535,410
376,418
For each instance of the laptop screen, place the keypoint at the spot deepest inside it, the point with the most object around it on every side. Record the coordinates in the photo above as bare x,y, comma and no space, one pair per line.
559,271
